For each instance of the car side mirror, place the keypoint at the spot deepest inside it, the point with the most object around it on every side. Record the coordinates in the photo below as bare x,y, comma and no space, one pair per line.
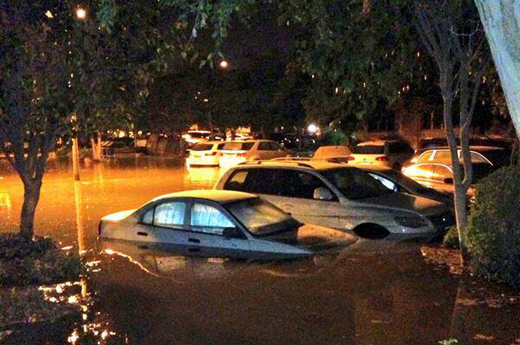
322,193
448,180
231,233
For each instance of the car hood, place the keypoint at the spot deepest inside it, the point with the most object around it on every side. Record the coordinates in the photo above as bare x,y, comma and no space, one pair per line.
401,202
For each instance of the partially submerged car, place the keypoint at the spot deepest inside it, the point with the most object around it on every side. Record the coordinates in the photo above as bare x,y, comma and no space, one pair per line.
340,197
210,223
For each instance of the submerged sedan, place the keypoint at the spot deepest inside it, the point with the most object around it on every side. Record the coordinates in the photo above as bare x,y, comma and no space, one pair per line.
210,223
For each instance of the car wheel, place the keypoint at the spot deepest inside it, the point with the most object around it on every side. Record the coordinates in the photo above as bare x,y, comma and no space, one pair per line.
371,231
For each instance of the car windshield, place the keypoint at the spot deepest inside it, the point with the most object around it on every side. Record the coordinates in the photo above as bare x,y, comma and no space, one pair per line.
369,149
238,146
260,217
202,147
356,184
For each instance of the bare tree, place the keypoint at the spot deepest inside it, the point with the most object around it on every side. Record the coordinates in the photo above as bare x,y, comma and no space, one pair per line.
35,97
459,48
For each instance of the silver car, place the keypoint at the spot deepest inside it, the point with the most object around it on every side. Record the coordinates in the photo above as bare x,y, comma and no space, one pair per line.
209,223
340,197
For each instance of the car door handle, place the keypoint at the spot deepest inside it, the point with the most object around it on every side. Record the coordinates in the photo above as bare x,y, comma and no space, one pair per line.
140,233
193,250
193,240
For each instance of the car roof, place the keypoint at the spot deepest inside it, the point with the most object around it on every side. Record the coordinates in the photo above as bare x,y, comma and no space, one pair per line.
309,165
375,167
472,148
219,196
332,151
376,142
212,142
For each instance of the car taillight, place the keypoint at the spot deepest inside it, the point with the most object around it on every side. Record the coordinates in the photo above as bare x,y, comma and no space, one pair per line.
382,159
243,154
351,158
214,153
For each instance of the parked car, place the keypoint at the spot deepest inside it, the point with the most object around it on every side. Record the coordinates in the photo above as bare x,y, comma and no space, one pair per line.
340,197
389,153
209,223
439,175
207,153
335,154
496,156
193,137
236,152
398,182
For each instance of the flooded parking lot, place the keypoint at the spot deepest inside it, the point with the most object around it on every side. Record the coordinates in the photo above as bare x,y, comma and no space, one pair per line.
371,292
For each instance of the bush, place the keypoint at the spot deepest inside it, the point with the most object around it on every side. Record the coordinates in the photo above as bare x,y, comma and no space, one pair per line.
451,239
493,230
26,262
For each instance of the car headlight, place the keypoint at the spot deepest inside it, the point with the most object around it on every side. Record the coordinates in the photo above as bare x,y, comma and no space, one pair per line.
411,222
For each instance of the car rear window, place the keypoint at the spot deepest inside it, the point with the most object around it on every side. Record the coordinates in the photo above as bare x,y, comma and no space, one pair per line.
369,149
238,146
202,147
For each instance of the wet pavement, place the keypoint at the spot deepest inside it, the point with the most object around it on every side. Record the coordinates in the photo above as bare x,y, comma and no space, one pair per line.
372,292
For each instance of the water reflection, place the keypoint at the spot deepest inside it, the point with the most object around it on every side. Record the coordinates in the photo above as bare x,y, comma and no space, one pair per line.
202,177
6,207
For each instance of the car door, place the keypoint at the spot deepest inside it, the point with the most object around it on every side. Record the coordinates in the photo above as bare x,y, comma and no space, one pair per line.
260,181
297,190
442,178
163,223
421,173
205,235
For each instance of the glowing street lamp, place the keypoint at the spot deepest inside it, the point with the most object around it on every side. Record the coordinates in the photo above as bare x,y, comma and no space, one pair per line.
81,13
312,128
224,64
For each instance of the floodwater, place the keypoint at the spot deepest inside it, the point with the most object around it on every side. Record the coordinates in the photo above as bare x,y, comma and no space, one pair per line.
373,292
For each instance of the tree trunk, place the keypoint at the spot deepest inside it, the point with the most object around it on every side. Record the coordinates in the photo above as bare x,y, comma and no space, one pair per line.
30,201
501,21
96,147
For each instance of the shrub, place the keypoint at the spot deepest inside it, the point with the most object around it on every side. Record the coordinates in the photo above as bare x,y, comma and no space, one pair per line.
493,230
34,262
451,239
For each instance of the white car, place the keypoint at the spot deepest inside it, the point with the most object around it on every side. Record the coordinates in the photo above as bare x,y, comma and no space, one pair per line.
389,153
209,223
340,197
207,153
236,152
194,137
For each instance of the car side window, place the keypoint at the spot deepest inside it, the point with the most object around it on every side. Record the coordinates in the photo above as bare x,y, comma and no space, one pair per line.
220,146
298,184
148,216
425,157
264,146
442,156
386,182
209,219
169,214
275,146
